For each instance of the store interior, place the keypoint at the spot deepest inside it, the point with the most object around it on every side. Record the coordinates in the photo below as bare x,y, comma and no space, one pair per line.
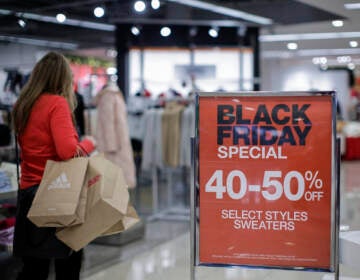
164,52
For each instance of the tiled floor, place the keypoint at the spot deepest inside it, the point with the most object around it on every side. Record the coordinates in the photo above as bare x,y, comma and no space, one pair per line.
171,259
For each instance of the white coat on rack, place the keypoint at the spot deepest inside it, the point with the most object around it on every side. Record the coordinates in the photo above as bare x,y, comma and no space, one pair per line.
152,140
112,133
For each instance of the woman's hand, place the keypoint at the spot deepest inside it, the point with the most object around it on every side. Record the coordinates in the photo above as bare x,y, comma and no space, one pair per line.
91,139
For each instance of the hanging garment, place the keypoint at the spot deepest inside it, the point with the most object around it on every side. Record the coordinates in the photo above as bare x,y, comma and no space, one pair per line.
187,131
171,133
152,139
112,133
136,125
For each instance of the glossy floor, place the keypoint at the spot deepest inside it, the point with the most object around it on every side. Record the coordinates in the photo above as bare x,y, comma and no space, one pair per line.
171,260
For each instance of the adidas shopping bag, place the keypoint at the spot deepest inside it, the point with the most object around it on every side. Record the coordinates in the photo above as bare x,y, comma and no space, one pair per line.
107,204
60,199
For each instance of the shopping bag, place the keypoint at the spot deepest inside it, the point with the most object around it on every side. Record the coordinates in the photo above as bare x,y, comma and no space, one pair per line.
107,201
130,219
60,199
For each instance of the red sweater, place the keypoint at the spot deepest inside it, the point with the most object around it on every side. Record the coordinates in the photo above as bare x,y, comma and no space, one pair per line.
49,134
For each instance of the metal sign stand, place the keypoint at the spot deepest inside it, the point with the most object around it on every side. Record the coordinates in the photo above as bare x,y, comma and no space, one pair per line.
193,210
337,211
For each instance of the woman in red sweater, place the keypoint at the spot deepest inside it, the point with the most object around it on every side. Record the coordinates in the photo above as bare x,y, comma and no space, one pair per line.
44,124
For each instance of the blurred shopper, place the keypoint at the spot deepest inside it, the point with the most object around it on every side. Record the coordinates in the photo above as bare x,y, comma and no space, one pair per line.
355,102
112,133
79,113
44,124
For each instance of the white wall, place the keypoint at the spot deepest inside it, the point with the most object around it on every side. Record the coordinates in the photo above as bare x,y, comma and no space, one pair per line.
19,56
301,74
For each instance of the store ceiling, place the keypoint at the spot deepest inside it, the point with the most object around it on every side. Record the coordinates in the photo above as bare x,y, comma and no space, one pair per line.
82,30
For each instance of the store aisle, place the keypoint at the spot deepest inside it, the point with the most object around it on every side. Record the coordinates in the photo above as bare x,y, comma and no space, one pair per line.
171,260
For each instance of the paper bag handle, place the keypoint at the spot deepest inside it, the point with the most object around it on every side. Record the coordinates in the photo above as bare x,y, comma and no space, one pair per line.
80,152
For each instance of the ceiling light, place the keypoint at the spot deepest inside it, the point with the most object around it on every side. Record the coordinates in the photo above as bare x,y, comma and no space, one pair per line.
353,44
337,23
139,6
324,66
308,36
351,66
135,30
111,70
343,59
60,17
21,22
72,22
155,4
113,78
165,31
292,46
311,52
213,32
319,60
224,11
352,6
111,53
99,12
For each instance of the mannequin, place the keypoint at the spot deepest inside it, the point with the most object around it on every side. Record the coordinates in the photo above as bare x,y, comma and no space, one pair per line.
112,133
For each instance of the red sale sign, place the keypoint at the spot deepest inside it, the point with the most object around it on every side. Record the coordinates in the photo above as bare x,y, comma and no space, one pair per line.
265,179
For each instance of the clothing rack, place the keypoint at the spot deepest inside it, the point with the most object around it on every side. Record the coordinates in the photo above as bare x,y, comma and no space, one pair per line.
155,162
178,213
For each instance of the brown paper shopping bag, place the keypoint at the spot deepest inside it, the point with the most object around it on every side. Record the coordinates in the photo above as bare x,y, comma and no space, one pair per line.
107,201
130,219
60,199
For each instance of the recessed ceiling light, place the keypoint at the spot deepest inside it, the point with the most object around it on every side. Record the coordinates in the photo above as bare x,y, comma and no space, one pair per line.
22,23
324,66
135,30
213,32
352,6
292,46
99,12
155,4
351,66
343,59
139,6
60,17
111,53
308,36
319,60
165,31
337,23
353,44
111,70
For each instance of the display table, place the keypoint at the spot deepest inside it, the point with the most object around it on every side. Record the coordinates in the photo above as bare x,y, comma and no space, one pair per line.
349,254
350,249
9,194
9,185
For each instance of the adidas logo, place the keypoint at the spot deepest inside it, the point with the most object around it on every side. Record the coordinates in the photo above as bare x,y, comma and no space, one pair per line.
60,182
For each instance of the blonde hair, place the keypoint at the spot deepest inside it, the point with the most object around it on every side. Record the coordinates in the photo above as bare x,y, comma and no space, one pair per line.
51,75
